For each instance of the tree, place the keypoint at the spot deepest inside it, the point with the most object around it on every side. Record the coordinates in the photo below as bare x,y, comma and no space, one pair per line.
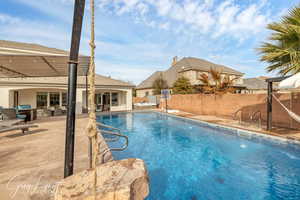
282,51
158,85
182,86
217,83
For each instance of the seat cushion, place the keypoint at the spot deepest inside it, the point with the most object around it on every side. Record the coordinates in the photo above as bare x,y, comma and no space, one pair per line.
21,116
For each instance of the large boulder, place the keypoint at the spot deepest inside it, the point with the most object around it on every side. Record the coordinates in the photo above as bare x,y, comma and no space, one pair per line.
116,180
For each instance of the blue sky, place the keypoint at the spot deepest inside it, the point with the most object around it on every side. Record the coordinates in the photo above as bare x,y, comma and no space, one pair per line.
134,38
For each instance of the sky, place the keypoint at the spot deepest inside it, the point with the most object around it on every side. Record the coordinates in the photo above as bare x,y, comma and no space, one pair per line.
135,38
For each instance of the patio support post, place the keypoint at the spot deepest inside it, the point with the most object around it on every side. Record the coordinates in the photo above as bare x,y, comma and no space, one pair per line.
72,86
269,106
86,94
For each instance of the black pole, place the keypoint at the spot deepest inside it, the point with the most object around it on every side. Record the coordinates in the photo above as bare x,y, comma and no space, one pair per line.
72,81
166,105
269,106
86,94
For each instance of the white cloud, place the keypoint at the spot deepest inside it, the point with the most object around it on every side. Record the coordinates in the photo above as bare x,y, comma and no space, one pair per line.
205,16
8,19
164,26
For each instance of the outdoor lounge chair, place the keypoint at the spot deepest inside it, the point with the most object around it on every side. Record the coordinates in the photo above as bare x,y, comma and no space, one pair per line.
11,114
23,127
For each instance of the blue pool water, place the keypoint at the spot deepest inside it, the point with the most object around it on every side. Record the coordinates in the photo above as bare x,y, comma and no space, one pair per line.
187,160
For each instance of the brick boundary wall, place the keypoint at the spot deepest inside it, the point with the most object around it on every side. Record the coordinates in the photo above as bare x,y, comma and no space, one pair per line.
227,104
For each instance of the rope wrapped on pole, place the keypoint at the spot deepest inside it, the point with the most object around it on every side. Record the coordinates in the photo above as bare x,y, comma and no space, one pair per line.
92,127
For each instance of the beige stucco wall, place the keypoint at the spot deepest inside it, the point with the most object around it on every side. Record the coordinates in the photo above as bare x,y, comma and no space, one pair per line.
5,97
142,92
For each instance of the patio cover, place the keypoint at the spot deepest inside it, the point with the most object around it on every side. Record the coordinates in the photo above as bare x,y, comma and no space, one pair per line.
32,60
291,82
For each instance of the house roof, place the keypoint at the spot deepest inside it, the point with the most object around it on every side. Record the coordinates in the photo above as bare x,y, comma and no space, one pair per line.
19,59
186,63
147,83
63,80
19,48
256,84
191,63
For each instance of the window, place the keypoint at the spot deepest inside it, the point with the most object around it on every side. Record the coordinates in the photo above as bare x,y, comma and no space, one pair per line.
64,99
98,99
54,99
41,100
114,99
147,94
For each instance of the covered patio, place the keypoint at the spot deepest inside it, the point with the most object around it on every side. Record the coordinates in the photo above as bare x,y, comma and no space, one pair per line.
36,76
32,60
48,95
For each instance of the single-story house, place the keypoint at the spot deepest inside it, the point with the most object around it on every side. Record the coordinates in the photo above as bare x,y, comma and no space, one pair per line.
190,68
36,75
257,85
50,92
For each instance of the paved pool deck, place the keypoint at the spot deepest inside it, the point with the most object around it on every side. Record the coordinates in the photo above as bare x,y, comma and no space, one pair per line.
36,158
286,133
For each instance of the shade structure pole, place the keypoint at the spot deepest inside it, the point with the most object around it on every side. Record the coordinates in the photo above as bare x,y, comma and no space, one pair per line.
269,106
86,93
72,86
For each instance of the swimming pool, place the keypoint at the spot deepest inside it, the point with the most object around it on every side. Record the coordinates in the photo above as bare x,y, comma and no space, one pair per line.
188,160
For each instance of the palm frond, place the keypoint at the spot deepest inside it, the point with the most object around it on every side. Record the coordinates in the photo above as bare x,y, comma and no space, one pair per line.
282,51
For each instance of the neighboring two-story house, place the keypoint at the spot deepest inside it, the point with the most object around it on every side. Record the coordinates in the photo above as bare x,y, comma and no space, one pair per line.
190,68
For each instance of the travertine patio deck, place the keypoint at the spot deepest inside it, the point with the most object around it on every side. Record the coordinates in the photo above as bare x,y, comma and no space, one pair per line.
37,157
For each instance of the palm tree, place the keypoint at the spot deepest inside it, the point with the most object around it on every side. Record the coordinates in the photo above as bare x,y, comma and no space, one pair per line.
217,84
283,50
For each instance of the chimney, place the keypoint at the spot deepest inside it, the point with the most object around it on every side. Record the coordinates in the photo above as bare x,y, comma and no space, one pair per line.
174,60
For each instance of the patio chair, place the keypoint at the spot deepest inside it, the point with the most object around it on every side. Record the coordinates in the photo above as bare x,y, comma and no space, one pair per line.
11,114
9,127
22,112
58,112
